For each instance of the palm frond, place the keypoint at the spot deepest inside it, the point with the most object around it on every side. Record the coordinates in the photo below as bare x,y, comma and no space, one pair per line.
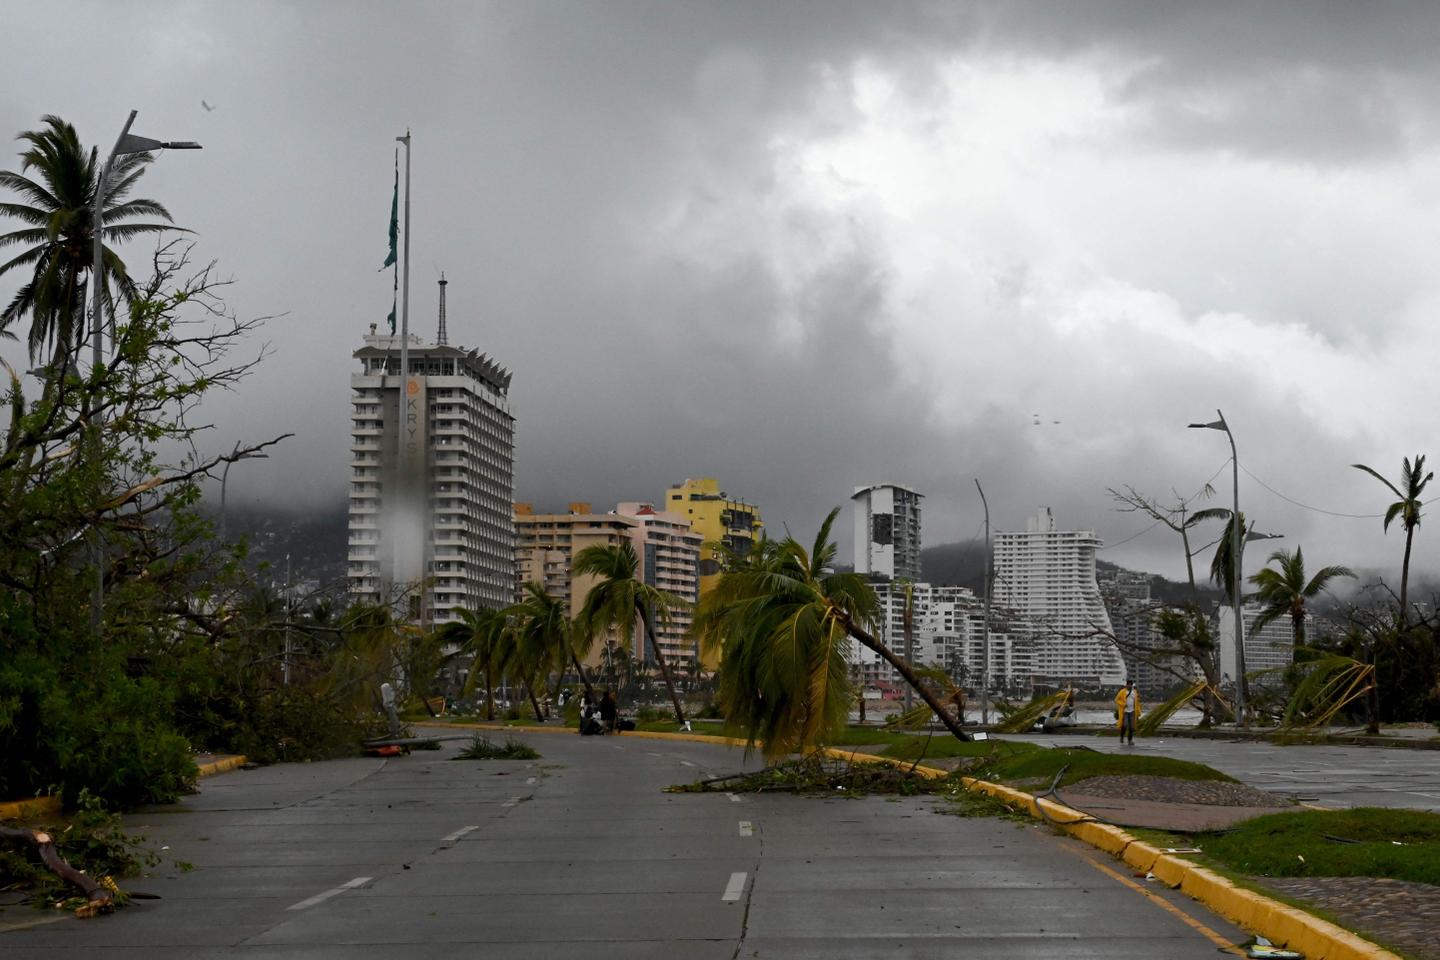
1378,476
1023,718
1328,686
1149,724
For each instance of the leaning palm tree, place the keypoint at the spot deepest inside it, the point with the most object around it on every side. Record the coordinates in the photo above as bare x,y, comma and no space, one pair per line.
1407,508
782,621
619,598
58,234
1283,590
543,638
481,635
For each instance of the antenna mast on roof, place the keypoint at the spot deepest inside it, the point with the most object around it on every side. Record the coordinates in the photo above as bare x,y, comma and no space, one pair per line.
440,338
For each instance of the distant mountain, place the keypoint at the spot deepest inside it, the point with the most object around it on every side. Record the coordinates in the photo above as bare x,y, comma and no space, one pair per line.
316,540
955,564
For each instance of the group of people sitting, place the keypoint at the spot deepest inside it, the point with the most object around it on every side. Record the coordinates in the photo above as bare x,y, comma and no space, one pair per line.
602,716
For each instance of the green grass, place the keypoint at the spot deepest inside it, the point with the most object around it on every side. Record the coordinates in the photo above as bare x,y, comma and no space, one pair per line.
1041,764
910,747
1401,844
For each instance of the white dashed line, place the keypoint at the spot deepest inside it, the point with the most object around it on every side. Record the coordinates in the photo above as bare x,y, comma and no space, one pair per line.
322,897
686,763
530,781
446,841
734,888
512,801
733,798
747,829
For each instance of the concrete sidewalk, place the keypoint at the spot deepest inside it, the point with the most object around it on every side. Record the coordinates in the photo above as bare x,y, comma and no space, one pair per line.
1330,776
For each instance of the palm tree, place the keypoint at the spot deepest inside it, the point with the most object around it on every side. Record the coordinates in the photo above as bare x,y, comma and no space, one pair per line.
1407,508
1222,565
618,598
58,235
1283,590
543,638
482,635
781,619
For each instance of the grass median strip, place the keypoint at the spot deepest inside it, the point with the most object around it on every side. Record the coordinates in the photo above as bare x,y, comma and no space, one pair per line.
1363,842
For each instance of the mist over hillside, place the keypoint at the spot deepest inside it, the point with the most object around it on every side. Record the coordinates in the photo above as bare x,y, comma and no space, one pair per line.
316,543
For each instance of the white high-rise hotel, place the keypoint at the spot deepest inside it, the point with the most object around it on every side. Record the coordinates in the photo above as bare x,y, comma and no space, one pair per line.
887,531
431,520
1048,577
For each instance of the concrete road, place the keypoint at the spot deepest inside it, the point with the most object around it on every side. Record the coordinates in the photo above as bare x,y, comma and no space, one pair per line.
581,855
1338,777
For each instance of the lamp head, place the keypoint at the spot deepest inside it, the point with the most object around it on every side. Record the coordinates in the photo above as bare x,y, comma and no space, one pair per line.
1213,425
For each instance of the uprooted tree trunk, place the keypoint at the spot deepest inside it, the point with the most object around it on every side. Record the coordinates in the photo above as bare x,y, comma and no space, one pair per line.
901,667
664,667
100,898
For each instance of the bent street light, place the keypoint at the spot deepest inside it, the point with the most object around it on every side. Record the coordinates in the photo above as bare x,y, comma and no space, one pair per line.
1235,566
127,142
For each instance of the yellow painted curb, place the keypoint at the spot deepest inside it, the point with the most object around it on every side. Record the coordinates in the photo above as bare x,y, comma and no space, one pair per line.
1141,855
219,766
1316,938
38,807
49,806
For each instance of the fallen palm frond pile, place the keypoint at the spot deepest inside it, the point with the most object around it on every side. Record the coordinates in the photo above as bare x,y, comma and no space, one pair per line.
818,774
482,748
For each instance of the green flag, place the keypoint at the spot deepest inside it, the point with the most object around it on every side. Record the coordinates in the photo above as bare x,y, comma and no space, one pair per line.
394,215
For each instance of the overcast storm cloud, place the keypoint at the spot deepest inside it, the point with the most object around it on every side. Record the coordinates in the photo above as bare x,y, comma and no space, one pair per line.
801,247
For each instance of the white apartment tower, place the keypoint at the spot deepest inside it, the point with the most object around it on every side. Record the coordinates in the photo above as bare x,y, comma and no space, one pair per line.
1268,651
1048,577
887,531
430,518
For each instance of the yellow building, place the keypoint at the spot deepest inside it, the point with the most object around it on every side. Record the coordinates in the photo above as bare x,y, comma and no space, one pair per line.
718,519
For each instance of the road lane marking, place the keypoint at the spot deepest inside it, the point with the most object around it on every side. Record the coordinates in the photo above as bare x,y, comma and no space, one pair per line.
333,892
451,838
41,921
686,763
734,888
733,798
1226,946
530,781
512,801
747,829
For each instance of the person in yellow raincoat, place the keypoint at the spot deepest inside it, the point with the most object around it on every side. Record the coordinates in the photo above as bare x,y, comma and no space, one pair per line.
1127,710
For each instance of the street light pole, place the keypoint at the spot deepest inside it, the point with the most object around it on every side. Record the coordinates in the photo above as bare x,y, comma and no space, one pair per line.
125,143
1235,569
985,629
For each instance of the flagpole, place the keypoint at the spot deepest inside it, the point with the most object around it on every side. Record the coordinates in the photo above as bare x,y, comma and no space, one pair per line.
404,358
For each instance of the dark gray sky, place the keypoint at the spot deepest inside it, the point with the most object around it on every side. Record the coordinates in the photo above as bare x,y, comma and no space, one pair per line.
805,246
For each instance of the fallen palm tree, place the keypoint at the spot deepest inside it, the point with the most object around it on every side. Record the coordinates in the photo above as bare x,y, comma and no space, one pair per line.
1150,723
1023,718
1329,685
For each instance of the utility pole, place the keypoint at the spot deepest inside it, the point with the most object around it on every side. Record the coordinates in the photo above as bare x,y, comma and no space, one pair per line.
985,629
286,666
